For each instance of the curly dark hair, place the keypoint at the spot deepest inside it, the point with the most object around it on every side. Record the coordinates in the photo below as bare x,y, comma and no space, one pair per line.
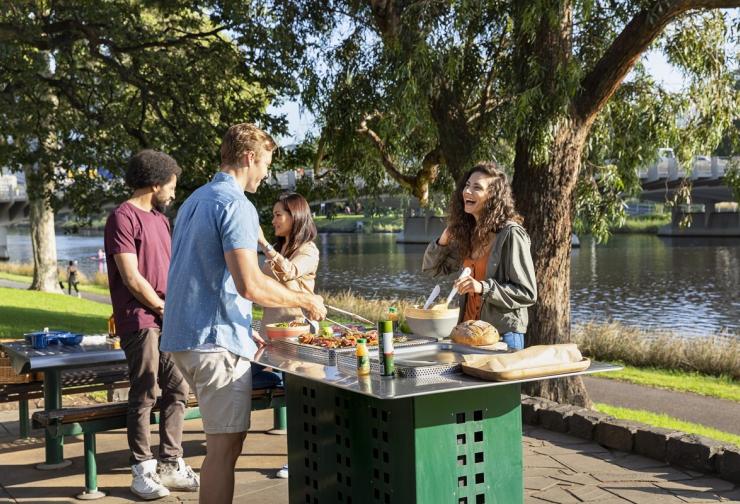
149,168
465,232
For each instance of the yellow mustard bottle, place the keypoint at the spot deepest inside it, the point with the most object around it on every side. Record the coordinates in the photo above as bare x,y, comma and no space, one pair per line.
363,357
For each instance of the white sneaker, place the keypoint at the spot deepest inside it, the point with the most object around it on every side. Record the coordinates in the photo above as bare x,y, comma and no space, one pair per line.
146,482
283,472
179,477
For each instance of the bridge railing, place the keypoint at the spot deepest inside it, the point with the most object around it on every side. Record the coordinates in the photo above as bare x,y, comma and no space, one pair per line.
668,168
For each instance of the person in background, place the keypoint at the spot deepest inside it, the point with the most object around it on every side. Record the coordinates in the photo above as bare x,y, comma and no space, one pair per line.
72,280
213,279
102,264
484,232
137,243
293,260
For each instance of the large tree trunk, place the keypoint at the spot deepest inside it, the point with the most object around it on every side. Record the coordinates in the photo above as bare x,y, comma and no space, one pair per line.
544,196
43,238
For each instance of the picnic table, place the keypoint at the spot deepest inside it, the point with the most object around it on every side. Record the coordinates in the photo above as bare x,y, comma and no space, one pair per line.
52,361
431,439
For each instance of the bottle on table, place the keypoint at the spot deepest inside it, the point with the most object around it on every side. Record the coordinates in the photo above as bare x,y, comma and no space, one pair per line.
385,348
392,315
114,341
363,357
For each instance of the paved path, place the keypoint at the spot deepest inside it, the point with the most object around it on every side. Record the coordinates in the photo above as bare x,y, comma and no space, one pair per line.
718,413
558,469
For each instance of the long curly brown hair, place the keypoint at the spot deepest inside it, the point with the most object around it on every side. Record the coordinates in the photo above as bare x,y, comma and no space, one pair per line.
467,234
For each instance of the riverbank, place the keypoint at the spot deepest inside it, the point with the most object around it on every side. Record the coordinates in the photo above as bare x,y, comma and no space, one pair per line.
643,224
359,224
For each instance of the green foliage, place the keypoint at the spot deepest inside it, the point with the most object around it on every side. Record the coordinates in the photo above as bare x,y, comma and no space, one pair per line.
599,201
732,177
420,72
84,86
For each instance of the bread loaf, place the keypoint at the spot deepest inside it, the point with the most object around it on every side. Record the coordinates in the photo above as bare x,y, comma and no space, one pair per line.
475,333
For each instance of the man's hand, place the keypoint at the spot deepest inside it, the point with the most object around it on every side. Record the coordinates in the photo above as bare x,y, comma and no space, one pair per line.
159,309
314,306
257,338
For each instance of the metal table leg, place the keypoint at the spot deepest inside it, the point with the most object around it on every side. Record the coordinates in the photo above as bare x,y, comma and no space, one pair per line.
53,400
454,447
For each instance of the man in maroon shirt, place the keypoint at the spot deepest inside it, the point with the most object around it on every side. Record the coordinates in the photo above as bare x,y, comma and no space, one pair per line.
137,247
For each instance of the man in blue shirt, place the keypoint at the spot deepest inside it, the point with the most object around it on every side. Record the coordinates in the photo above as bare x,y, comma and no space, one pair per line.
213,279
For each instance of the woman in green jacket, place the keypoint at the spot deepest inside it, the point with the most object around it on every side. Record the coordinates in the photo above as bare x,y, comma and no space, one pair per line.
484,232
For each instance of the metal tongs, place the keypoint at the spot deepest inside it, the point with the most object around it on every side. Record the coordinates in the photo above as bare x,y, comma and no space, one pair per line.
314,325
353,315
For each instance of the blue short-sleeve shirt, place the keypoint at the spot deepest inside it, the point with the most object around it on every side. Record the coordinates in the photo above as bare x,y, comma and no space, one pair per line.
203,305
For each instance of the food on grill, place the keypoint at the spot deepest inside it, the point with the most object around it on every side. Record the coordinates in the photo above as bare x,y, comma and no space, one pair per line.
348,339
292,323
475,333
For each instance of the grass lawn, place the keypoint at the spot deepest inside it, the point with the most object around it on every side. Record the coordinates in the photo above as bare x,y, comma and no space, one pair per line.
24,311
681,381
647,224
667,422
91,288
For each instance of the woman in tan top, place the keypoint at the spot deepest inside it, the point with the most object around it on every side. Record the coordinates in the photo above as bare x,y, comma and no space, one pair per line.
292,261
294,258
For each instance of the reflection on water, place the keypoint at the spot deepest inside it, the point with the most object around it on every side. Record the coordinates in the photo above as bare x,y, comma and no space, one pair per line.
687,285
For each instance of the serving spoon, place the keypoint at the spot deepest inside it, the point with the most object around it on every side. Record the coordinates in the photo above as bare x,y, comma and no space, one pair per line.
432,297
465,272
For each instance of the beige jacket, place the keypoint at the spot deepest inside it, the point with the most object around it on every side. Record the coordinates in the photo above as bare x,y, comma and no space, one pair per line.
298,273
509,286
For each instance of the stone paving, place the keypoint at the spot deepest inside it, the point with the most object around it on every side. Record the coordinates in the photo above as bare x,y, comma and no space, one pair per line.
558,469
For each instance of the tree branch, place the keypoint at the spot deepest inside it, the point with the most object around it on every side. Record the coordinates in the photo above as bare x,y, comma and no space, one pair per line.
418,184
609,72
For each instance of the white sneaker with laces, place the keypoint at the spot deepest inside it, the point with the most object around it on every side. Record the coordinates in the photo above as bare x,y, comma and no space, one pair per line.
179,477
283,472
145,482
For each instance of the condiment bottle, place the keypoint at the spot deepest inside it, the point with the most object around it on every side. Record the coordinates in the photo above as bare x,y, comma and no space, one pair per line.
392,315
111,326
363,358
385,348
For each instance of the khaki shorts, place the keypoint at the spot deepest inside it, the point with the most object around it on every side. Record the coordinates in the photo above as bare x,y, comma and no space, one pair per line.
222,382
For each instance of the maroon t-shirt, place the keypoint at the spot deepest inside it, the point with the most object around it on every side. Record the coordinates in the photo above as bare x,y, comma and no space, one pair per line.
146,234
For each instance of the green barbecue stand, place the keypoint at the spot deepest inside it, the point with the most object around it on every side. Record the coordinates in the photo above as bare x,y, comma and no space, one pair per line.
461,447
449,439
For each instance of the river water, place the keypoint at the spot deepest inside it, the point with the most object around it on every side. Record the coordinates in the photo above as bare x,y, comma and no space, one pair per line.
690,286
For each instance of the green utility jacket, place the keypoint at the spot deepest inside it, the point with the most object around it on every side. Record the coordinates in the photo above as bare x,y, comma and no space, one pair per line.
509,286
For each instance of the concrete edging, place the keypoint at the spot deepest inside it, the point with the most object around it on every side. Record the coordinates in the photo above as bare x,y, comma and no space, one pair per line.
673,447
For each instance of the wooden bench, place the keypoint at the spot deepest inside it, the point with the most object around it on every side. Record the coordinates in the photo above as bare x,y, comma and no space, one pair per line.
90,420
75,381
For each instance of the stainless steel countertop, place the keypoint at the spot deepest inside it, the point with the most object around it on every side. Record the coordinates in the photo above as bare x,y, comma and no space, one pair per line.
288,361
24,358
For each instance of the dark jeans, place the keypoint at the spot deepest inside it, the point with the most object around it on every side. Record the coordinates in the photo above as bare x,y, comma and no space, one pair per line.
149,367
